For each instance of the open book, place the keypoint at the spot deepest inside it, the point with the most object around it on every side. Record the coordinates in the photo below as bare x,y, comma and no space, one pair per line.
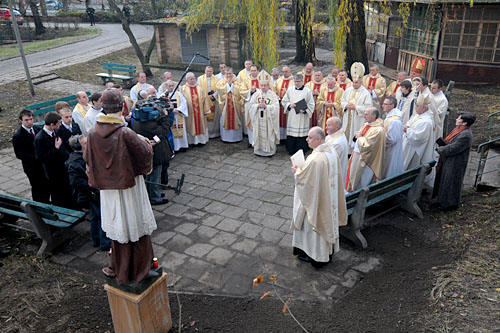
298,159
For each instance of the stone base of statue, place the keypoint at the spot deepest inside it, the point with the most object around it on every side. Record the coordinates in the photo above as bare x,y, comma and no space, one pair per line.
148,311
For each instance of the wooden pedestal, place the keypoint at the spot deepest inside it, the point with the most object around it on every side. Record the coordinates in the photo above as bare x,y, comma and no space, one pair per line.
148,312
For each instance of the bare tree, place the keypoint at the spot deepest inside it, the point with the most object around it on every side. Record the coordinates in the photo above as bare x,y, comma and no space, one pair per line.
39,28
144,59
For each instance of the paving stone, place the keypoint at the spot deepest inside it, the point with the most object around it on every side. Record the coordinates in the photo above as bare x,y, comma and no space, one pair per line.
216,207
186,228
249,230
258,183
233,212
245,245
172,260
172,279
244,171
162,237
179,242
271,197
219,256
99,258
159,251
207,182
242,180
201,191
257,165
190,217
207,232
175,209
215,278
286,241
229,225
234,199
286,212
198,202
224,176
277,188
286,227
218,195
223,239
210,173
270,208
272,236
267,252
183,199
250,204
221,185
198,250
286,201
212,220
193,268
238,189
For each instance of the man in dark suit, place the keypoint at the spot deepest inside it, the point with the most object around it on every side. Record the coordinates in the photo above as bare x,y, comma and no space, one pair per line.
49,150
25,151
68,128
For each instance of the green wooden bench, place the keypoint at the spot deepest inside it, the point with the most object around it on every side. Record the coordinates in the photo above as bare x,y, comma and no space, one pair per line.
39,110
407,185
47,221
110,67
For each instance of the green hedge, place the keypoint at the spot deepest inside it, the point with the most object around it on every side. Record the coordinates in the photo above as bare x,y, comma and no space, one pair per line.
100,16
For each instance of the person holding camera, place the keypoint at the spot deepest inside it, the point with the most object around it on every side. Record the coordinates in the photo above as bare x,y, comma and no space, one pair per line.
156,130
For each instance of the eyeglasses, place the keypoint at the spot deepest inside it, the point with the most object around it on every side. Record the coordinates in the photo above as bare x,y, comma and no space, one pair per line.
386,104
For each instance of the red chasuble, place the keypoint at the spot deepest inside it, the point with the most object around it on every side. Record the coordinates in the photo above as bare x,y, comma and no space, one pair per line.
284,88
231,114
343,86
330,97
255,83
372,82
314,118
307,78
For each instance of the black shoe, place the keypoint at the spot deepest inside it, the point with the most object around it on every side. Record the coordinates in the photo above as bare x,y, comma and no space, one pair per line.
162,202
249,145
304,258
317,264
163,195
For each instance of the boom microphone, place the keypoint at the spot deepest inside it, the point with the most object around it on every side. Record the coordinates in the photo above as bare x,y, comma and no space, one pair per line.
201,55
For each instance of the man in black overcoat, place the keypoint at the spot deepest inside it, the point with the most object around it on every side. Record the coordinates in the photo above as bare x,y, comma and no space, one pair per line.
25,151
68,128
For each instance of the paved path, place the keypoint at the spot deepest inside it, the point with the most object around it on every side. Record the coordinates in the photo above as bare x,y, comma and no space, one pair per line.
112,39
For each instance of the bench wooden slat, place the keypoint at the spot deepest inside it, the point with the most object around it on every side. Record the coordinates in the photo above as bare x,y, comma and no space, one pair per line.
115,76
111,64
118,69
69,214
388,195
22,215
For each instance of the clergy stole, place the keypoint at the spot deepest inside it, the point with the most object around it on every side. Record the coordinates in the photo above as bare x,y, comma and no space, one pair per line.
343,86
314,118
81,109
283,89
363,133
307,78
330,97
178,125
230,122
255,83
197,112
395,88
372,82
388,121
352,100
205,87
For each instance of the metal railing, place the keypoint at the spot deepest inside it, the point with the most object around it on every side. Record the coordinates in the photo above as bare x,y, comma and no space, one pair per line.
493,122
483,150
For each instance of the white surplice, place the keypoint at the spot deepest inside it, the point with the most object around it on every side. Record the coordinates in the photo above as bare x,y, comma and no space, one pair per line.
338,142
393,163
354,120
265,122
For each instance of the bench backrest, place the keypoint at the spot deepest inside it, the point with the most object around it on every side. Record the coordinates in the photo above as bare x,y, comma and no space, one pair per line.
389,187
119,67
53,215
42,108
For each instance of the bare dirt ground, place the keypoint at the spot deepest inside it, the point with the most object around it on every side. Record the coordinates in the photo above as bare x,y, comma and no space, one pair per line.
440,274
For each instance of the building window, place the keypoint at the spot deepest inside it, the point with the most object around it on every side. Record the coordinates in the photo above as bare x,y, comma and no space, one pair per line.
471,34
421,31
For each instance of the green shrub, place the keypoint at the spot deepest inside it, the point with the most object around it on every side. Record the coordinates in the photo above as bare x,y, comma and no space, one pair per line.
100,16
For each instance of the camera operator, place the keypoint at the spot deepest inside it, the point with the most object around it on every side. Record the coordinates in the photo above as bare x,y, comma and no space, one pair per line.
156,130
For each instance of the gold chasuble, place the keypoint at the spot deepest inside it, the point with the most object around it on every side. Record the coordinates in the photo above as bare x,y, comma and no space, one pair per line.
344,85
81,109
319,206
334,97
392,88
196,122
371,152
230,105
376,83
314,86
207,89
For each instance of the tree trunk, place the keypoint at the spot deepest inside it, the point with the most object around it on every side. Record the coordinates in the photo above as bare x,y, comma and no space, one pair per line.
43,7
22,8
303,32
39,28
131,37
356,38
151,47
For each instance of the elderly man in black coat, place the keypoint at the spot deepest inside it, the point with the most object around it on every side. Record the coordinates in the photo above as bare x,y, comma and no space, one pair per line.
156,131
453,158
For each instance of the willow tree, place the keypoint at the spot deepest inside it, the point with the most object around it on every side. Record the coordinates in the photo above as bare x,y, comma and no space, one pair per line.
261,17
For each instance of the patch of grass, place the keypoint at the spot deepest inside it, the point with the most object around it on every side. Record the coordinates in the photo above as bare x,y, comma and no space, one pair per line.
466,293
10,51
